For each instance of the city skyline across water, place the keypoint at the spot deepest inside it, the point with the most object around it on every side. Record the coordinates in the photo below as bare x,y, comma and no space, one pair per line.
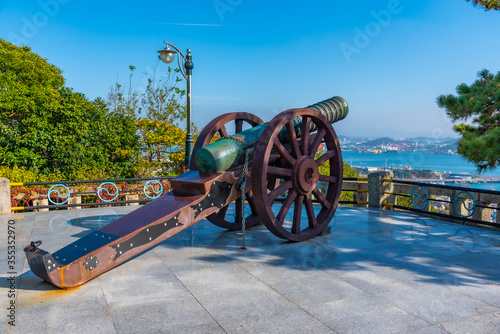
416,160
420,160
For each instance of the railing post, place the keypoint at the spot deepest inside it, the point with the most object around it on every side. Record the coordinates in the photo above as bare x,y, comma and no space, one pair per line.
75,200
132,197
498,213
43,201
377,188
5,203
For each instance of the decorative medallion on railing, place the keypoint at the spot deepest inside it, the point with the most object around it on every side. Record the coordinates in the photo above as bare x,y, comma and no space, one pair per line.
422,201
470,209
150,185
105,190
58,194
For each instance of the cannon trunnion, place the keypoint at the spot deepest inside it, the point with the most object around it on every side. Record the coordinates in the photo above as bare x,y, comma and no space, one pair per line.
287,158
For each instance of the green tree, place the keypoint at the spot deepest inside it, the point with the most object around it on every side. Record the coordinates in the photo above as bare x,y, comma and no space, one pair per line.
348,171
479,104
487,4
46,127
161,108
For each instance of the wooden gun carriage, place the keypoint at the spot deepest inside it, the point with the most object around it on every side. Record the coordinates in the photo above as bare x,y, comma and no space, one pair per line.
274,162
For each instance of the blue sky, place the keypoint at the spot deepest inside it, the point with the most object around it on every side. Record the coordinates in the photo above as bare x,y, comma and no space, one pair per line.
389,59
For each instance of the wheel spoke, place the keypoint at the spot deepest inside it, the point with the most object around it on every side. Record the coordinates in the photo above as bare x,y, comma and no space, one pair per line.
280,190
328,178
283,152
223,126
222,211
251,203
304,141
279,171
238,215
238,125
271,182
313,223
292,138
285,207
297,214
317,140
322,159
222,131
321,198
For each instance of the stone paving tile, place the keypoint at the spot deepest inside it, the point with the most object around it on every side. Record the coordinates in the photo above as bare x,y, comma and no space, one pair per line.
361,242
37,298
93,222
183,255
480,324
217,277
22,224
375,282
123,210
430,269
94,319
487,291
365,315
312,288
121,290
133,284
242,301
97,212
378,271
42,219
481,261
433,329
279,321
257,309
436,304
176,314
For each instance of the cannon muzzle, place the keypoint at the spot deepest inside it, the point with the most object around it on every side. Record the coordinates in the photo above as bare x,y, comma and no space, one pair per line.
227,153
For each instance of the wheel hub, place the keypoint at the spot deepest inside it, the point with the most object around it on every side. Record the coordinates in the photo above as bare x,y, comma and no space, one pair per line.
305,175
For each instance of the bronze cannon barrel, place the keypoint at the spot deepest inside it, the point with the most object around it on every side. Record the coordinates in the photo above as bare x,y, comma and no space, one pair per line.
227,153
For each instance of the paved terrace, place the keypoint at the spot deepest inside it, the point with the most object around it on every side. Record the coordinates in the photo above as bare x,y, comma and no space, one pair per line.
377,272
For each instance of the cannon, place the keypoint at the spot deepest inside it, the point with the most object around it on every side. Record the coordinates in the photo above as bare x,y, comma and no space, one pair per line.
268,163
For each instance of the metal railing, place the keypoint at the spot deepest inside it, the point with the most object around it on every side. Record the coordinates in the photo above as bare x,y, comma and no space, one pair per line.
459,204
359,187
61,191
107,192
465,205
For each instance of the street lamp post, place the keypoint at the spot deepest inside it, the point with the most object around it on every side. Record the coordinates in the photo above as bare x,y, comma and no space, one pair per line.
167,56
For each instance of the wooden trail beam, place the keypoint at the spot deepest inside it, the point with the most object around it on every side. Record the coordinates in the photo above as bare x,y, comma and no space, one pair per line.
195,195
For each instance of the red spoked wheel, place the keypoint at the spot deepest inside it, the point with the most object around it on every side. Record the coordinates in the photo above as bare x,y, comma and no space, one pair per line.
220,125
295,166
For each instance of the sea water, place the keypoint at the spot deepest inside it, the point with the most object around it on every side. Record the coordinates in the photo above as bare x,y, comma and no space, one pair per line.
419,160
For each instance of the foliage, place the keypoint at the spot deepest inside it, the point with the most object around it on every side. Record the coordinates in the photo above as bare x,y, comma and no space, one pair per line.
162,99
479,103
48,128
348,171
164,146
161,137
404,201
487,4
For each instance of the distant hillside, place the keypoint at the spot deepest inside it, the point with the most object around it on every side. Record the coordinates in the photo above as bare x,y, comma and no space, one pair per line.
381,141
369,141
